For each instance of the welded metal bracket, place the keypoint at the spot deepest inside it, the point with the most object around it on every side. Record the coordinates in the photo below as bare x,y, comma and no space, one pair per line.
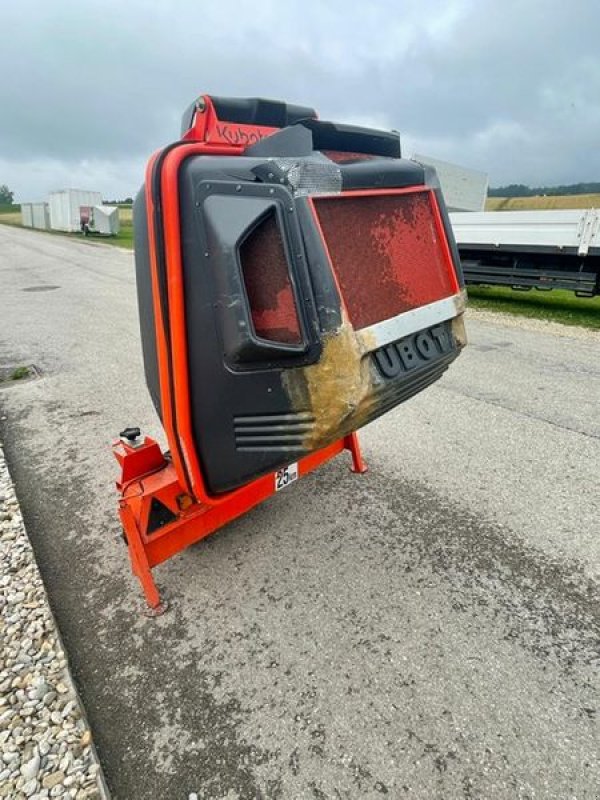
589,226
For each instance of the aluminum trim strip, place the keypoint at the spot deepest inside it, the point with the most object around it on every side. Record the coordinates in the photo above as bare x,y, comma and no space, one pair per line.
417,319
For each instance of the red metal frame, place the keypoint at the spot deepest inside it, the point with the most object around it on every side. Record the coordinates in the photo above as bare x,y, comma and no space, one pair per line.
176,481
147,474
215,133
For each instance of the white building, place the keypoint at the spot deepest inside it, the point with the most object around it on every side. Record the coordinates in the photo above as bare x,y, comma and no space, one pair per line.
65,214
35,215
464,189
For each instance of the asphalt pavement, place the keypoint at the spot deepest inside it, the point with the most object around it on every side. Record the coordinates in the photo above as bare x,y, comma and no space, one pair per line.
428,630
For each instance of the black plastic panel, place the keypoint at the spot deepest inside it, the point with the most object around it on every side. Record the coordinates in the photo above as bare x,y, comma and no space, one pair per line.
244,422
224,388
259,111
352,138
145,299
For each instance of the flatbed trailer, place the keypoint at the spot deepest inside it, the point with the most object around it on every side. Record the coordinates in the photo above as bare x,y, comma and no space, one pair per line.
531,249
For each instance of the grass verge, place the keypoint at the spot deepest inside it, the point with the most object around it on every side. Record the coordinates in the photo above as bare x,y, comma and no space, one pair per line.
555,306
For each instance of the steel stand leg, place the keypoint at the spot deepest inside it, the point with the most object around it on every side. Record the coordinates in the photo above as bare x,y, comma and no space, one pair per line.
358,465
139,563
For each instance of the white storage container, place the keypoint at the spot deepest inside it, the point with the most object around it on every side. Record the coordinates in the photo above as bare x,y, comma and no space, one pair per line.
27,215
105,219
40,216
65,205
463,189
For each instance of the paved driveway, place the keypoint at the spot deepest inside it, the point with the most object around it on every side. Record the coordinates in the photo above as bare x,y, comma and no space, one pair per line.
429,630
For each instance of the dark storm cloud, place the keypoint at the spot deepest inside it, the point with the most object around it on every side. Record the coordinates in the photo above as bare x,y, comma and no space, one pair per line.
507,87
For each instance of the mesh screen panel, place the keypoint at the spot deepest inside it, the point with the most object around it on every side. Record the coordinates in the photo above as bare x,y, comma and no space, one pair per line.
386,253
268,285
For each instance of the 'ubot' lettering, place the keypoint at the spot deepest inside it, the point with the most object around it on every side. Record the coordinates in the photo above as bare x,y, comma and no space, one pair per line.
408,353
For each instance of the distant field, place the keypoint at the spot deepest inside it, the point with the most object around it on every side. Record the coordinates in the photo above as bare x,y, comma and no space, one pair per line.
9,216
542,203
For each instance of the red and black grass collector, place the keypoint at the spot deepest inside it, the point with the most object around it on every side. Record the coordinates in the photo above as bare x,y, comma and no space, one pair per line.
296,279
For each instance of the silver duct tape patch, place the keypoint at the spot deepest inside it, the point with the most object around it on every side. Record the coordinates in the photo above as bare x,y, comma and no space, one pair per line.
311,175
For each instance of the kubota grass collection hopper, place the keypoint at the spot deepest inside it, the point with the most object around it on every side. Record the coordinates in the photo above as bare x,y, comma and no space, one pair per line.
296,279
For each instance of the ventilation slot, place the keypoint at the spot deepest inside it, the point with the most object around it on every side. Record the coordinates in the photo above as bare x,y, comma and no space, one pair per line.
268,285
285,433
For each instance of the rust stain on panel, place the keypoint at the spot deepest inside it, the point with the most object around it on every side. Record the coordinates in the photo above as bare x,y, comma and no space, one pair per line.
458,331
334,388
338,390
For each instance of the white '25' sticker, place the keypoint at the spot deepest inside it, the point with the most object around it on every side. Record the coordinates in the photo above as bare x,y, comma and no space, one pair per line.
285,476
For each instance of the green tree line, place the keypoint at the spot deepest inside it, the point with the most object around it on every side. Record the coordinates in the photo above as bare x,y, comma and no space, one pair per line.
521,190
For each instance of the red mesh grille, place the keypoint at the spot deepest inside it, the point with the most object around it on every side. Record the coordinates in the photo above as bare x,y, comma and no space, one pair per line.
267,279
386,252
343,158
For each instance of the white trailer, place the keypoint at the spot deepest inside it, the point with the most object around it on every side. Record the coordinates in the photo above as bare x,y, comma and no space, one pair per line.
41,216
531,249
27,215
35,215
464,189
573,230
65,208
105,220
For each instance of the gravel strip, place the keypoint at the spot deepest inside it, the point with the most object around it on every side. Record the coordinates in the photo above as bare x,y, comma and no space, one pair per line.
46,747
532,324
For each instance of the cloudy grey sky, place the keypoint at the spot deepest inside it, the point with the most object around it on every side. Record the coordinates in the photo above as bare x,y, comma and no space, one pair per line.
90,89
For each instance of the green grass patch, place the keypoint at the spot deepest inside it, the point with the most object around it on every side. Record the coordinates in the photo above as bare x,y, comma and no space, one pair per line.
9,209
125,236
555,306
19,373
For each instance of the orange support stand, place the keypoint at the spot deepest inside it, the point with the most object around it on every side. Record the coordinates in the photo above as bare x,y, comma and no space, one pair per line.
161,519
358,463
